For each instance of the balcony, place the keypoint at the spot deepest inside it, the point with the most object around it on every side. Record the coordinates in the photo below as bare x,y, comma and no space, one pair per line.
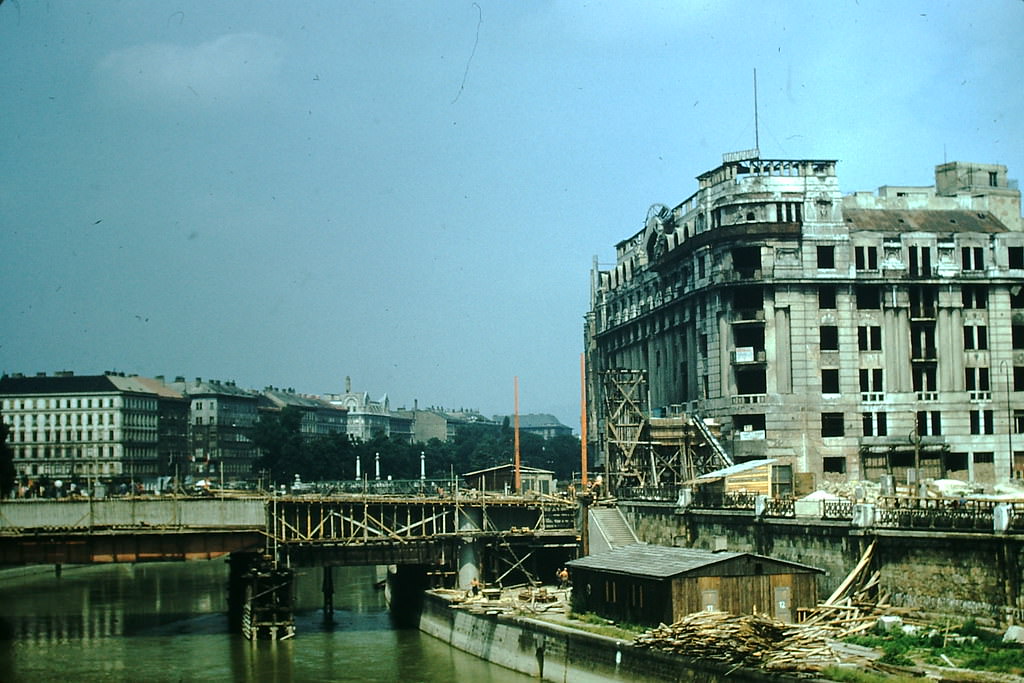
746,315
927,396
922,313
747,399
924,355
979,396
747,355
872,396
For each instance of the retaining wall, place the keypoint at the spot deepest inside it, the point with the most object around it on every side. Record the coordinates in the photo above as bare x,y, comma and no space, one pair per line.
965,574
555,653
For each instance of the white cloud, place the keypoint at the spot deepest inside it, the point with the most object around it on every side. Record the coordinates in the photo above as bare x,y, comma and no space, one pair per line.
229,69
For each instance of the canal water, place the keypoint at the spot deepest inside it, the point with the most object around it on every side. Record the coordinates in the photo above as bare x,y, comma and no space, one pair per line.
167,622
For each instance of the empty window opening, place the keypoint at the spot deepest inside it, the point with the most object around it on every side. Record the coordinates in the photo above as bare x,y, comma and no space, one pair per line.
746,260
972,258
830,381
974,296
1015,257
866,258
827,297
832,424
827,257
828,336
869,297
869,338
833,465
976,337
875,424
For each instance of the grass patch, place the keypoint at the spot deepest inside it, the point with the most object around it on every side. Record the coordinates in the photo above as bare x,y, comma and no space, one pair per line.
847,675
592,623
964,644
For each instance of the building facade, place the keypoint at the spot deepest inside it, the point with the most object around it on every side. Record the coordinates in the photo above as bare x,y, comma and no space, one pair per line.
319,418
222,419
86,428
846,336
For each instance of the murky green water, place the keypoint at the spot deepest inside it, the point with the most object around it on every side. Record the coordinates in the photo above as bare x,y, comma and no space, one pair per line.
167,622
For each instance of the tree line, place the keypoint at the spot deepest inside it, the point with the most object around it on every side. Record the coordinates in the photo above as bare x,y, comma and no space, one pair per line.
285,452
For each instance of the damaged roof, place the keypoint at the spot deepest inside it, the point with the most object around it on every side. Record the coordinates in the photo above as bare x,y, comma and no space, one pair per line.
922,220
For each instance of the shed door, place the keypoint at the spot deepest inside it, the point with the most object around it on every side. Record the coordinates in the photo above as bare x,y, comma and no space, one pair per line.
709,600
783,604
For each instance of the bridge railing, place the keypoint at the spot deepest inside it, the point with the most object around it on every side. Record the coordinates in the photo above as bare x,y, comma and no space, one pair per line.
649,493
946,514
380,487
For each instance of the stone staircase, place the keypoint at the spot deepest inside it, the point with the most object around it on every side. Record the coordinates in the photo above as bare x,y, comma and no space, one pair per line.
609,529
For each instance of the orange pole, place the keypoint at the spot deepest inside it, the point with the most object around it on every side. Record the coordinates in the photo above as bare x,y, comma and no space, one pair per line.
583,419
516,418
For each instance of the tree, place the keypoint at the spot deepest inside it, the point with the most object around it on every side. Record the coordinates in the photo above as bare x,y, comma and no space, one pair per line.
279,440
6,461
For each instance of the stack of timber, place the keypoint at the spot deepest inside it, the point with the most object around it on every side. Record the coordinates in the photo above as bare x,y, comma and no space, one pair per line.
761,642
755,641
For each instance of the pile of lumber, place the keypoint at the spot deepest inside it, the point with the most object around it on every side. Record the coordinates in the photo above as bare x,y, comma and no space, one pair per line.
755,641
716,636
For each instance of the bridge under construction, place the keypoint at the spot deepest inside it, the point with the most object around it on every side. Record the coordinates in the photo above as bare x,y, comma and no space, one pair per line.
437,541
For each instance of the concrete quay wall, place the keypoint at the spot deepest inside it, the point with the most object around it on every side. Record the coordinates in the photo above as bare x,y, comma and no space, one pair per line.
551,652
977,575
200,513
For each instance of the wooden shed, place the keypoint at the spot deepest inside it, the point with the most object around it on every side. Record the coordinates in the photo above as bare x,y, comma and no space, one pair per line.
652,584
502,479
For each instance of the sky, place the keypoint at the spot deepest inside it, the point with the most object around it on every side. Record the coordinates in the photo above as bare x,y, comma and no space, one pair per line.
412,194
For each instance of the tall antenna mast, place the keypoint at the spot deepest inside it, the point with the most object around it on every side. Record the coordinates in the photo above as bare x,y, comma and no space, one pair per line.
757,139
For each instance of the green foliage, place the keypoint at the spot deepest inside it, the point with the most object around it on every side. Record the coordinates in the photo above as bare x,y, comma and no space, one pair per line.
845,675
285,452
966,645
6,461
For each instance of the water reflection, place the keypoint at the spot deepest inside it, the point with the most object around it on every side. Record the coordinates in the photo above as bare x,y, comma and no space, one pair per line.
167,622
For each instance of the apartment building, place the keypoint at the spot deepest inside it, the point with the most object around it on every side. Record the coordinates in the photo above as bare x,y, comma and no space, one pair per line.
846,336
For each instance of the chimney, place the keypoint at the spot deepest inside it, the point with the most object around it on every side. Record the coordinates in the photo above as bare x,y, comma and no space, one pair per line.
348,384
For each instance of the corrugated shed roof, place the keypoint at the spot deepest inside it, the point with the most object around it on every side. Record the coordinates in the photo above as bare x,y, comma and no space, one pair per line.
661,562
921,220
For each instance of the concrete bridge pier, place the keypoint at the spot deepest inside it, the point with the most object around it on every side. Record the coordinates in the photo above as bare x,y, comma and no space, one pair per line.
328,590
404,592
469,547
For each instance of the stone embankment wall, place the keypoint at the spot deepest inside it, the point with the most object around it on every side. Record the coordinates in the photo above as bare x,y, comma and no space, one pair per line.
551,652
976,574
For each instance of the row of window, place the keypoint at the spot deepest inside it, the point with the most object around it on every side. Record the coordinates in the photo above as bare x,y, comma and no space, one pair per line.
865,258
976,381
869,338
57,403
927,423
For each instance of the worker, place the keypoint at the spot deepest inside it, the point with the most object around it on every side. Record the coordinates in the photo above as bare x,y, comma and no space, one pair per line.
474,587
563,577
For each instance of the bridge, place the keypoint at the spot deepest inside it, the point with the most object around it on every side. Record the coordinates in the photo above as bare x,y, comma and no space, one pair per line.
307,529
442,540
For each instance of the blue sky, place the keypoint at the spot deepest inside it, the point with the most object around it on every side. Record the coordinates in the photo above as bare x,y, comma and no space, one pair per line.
412,193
